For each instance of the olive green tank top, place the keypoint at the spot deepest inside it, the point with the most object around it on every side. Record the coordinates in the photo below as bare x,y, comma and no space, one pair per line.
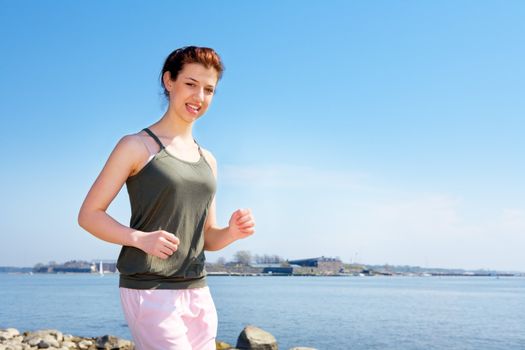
174,195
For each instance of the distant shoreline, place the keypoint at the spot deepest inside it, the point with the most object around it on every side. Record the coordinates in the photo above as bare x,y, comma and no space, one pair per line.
225,274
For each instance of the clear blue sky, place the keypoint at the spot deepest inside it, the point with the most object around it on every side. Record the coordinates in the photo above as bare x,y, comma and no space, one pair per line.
376,131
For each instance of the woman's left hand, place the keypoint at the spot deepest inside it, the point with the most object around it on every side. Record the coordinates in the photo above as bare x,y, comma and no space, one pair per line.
242,224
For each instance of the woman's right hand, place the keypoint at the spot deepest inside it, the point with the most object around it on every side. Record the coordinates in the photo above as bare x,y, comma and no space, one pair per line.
161,244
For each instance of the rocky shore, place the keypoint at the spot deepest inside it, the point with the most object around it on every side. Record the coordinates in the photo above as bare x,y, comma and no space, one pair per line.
251,338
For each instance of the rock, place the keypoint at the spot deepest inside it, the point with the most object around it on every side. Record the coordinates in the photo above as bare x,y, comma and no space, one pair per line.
8,333
254,338
32,340
52,339
76,339
56,334
111,342
44,339
43,345
220,345
84,344
48,341
18,338
59,336
12,345
68,344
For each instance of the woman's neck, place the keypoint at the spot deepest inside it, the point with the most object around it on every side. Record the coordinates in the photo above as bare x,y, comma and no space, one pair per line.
172,126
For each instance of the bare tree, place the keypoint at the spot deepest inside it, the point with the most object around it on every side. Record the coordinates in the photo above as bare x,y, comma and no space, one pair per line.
268,259
276,259
243,257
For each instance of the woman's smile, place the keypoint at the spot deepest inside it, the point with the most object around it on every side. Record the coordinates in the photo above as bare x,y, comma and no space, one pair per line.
193,108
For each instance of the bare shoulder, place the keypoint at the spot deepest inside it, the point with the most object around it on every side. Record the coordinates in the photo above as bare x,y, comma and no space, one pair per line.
130,151
130,144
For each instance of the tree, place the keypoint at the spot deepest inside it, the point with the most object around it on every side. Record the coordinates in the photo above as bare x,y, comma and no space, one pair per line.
276,259
243,257
268,259
221,261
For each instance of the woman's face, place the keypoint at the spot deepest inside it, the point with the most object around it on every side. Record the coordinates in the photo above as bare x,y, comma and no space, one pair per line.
191,93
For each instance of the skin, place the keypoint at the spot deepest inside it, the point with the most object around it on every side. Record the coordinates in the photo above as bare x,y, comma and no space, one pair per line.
195,86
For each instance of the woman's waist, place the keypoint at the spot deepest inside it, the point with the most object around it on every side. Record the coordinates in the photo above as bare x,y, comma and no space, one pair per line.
147,281
188,263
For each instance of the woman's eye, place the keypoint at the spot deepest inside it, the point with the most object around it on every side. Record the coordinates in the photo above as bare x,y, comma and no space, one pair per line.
209,91
190,84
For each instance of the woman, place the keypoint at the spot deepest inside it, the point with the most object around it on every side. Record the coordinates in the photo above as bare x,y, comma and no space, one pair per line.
171,185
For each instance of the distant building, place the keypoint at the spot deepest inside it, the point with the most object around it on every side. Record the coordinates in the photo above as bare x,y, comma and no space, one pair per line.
321,265
278,271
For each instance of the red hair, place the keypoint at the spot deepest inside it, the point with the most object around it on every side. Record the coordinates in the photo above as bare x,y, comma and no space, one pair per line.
190,54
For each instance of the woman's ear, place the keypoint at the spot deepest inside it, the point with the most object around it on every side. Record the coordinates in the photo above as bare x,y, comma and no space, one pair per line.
166,78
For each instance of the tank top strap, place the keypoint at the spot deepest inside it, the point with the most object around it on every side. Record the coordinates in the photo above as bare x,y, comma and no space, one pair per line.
199,147
150,133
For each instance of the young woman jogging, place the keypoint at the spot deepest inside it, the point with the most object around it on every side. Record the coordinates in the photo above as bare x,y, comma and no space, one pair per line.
171,183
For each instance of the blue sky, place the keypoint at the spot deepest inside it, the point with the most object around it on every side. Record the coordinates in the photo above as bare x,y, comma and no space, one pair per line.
376,131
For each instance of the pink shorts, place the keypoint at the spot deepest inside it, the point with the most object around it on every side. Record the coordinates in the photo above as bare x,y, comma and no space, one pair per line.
170,319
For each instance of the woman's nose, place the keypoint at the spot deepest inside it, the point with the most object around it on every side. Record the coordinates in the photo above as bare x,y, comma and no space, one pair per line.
200,94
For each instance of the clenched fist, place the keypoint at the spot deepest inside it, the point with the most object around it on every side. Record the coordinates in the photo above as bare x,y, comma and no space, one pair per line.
242,224
161,244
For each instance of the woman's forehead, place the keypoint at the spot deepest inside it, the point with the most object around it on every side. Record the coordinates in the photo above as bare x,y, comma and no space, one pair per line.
200,73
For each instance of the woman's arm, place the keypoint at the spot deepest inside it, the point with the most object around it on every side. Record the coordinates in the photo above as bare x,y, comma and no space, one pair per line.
241,224
93,217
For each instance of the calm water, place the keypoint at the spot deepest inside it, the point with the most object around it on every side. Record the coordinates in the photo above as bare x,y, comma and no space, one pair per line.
399,313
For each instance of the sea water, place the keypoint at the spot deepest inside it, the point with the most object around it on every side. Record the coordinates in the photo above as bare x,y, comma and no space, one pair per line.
399,313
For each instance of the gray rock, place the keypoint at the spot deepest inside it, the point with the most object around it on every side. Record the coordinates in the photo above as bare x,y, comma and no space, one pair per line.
84,344
17,338
8,333
68,337
32,340
12,345
254,338
51,337
68,344
56,334
59,336
111,342
43,345
48,341
76,339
